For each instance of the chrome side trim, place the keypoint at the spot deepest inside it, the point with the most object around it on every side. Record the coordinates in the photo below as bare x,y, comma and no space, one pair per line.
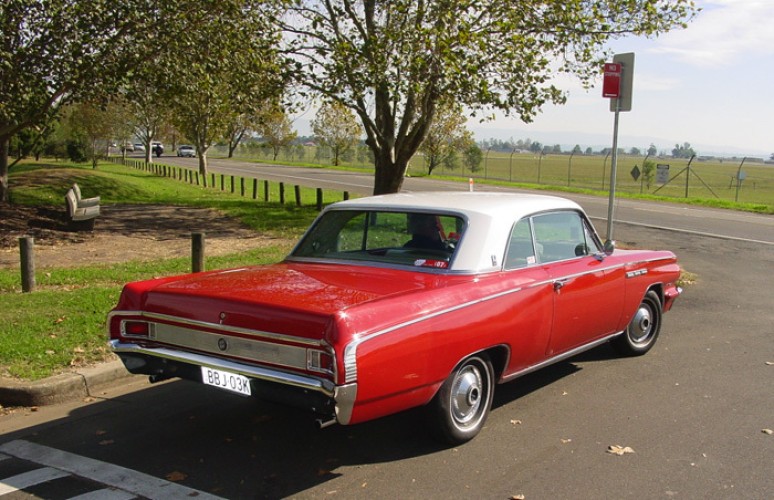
350,351
271,375
560,357
226,329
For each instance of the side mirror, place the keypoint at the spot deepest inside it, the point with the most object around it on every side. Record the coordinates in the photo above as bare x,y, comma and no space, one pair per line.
607,250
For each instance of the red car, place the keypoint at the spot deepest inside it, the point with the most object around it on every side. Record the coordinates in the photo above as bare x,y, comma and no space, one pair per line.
399,301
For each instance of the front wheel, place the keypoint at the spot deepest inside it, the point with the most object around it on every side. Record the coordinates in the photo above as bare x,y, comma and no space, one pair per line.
461,406
643,329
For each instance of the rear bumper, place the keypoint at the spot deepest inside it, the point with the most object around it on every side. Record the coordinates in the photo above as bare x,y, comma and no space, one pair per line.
310,393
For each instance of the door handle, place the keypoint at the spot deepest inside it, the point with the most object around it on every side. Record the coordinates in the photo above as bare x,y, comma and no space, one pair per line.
559,284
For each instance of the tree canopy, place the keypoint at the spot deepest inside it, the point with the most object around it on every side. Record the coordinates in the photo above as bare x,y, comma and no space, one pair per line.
393,62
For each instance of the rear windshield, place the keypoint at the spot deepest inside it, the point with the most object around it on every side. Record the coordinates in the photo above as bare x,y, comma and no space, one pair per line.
418,239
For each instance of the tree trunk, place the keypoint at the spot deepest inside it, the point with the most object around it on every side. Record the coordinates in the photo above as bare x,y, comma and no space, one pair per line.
388,177
203,164
4,169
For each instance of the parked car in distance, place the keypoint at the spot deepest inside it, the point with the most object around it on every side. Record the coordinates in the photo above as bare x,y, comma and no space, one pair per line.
139,147
186,150
400,301
128,147
157,148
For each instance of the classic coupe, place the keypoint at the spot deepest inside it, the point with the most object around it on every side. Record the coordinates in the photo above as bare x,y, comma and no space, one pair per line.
400,301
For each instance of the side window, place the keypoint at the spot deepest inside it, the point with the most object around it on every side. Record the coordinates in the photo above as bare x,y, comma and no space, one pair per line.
561,236
521,251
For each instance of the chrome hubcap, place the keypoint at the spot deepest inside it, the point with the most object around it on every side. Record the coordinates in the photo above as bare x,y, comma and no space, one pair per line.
466,395
641,325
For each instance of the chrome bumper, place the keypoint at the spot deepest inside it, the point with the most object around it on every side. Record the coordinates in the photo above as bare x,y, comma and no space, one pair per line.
344,395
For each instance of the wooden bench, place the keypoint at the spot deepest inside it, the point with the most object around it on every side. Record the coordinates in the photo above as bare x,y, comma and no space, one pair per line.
81,213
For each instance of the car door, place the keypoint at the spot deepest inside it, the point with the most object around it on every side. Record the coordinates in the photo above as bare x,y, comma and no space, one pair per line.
588,294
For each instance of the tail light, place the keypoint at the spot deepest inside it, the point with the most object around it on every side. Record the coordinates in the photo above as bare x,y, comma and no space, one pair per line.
319,361
133,328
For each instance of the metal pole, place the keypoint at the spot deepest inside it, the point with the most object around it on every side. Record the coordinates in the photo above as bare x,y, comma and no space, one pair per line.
613,168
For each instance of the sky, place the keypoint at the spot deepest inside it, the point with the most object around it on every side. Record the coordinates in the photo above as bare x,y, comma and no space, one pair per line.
710,85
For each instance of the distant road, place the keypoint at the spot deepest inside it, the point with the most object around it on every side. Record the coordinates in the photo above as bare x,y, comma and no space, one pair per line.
727,224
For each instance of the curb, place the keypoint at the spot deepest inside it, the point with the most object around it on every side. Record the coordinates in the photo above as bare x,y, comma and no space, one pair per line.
60,388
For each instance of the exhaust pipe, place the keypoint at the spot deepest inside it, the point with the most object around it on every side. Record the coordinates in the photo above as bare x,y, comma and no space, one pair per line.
322,424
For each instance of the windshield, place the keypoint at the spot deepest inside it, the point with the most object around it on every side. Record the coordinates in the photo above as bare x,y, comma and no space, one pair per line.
418,239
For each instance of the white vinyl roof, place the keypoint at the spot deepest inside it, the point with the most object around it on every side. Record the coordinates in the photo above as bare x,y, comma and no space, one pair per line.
490,218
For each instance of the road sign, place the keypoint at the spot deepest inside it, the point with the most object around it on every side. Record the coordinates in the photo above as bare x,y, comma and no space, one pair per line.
611,84
635,172
624,101
662,173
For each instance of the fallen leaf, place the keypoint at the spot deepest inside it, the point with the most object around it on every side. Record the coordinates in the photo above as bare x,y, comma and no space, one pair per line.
518,497
176,476
768,431
770,363
515,422
59,320
100,432
565,441
619,450
106,442
50,352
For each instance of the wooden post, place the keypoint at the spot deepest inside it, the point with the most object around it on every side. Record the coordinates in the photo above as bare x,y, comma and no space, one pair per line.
222,182
27,255
282,193
241,186
265,190
319,199
346,195
197,252
213,181
255,188
232,184
297,189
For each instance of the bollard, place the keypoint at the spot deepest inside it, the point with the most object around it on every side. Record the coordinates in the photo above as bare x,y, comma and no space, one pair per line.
319,199
27,257
241,186
282,193
255,189
197,252
265,190
297,189
346,195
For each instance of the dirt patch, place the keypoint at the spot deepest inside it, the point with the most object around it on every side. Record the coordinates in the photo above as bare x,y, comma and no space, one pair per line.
122,233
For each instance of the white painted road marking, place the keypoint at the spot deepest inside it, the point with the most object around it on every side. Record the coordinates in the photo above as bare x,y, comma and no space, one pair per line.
120,478
31,478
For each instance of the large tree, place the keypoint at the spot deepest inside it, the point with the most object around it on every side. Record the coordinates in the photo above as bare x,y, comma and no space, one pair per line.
60,51
223,67
393,62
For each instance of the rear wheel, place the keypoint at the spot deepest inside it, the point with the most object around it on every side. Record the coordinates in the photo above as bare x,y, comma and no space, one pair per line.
460,408
643,329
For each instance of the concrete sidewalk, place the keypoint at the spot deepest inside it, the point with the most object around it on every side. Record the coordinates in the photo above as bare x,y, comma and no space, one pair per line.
60,388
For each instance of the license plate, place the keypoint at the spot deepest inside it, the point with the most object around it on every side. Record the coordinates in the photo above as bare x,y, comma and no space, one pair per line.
225,380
